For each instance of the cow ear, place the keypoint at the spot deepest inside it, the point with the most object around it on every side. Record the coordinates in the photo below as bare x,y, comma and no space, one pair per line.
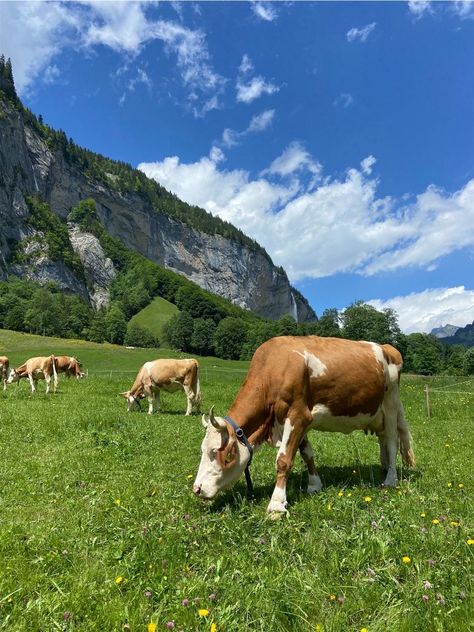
227,455
205,421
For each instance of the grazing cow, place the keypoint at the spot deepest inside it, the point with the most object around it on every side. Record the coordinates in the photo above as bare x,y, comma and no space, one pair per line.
168,375
42,368
295,384
69,365
4,366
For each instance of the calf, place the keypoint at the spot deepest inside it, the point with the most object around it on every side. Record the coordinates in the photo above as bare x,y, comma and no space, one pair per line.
4,366
41,368
295,384
168,375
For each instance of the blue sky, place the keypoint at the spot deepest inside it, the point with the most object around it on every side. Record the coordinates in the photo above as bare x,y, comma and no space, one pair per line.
338,134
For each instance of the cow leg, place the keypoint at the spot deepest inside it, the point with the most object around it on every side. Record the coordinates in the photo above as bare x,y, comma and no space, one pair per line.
190,397
293,433
32,383
153,401
383,451
390,436
47,379
306,451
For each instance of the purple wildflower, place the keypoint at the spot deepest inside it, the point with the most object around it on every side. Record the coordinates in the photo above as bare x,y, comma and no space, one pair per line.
148,594
170,625
185,602
430,562
440,599
67,615
424,598
212,597
427,585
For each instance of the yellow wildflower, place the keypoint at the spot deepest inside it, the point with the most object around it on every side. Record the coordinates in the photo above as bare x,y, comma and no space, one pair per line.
470,541
340,494
151,627
461,485
450,484
119,580
332,597
202,612
349,493
406,559
367,499
189,476
213,627
318,628
423,515
364,630
329,507
454,523
435,521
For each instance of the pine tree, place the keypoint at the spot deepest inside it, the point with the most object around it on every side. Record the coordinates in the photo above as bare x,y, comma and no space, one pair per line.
7,84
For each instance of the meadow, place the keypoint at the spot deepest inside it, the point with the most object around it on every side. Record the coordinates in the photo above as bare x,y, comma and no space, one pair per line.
100,530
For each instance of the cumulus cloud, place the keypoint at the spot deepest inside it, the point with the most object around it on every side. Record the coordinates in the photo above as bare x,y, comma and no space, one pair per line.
317,226
34,33
432,308
361,34
265,11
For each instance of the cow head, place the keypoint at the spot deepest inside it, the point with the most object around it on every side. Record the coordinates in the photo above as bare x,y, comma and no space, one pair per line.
223,458
132,401
14,376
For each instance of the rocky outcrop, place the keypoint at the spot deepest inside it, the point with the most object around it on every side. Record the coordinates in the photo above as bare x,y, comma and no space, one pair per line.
27,166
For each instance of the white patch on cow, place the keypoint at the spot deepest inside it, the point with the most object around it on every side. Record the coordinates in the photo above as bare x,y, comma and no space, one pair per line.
314,364
325,421
276,434
287,430
278,501
314,484
308,451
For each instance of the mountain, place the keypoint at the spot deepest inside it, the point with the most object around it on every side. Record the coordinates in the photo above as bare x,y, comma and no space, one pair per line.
463,336
444,332
39,165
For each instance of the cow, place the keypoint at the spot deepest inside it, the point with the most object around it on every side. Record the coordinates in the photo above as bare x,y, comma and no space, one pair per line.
41,368
168,375
295,384
4,366
69,365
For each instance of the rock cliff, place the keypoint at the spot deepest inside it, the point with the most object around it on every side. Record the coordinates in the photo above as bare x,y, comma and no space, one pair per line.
29,166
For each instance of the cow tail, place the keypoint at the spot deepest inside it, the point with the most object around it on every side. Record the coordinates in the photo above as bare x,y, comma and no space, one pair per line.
197,388
406,444
55,373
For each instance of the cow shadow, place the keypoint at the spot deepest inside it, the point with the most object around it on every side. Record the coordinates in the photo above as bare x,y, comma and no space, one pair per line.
332,477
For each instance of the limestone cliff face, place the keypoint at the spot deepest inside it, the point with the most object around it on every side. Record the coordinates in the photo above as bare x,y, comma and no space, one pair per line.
28,166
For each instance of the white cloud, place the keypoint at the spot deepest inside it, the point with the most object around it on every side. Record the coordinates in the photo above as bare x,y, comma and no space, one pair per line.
419,7
360,34
265,11
367,164
216,154
464,8
344,100
245,65
258,123
34,33
316,227
432,308
294,158
248,92
261,122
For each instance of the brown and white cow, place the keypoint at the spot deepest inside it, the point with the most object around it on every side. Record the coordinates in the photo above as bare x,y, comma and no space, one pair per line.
41,368
4,366
69,365
168,375
295,384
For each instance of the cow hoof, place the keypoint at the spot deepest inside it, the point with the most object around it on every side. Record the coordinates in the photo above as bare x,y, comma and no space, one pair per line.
391,482
276,507
314,484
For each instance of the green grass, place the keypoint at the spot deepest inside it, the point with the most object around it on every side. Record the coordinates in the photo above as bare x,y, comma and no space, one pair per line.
90,494
154,316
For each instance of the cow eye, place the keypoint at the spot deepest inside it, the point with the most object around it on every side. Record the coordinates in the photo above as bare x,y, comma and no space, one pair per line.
214,453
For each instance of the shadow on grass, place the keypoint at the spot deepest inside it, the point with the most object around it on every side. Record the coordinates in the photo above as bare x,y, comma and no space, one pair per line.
332,477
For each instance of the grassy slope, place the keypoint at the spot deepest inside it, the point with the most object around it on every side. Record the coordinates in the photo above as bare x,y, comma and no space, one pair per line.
155,315
90,494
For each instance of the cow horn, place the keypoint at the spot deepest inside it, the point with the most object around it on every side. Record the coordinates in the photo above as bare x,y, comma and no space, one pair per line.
214,421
